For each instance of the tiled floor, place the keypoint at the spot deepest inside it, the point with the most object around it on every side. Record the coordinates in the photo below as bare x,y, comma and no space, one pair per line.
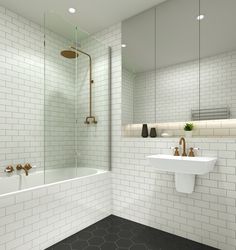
114,233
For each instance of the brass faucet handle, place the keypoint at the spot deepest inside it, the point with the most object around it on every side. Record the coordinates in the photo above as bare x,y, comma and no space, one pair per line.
27,166
9,169
19,167
176,151
191,152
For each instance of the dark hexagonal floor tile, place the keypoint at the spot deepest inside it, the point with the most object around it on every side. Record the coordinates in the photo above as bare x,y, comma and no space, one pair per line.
84,235
79,245
116,222
99,232
114,233
136,230
137,239
108,246
126,226
62,247
103,225
113,230
92,248
125,234
97,241
90,228
138,247
111,237
124,243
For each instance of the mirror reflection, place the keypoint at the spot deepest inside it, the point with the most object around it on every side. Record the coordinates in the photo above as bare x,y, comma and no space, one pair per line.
138,59
179,62
218,60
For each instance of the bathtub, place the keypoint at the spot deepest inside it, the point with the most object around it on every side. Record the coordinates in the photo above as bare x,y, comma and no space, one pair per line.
19,181
39,210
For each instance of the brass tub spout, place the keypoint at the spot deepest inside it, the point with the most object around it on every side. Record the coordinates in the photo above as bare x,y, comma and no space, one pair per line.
26,168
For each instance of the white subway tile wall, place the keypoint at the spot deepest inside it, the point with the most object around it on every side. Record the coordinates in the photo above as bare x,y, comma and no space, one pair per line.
38,218
93,140
59,104
127,96
144,97
144,195
21,90
22,95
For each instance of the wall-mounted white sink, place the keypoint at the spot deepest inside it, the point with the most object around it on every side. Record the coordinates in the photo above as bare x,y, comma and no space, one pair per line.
185,168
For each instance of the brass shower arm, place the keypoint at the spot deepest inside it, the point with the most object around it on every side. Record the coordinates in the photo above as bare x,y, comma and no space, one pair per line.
90,61
90,117
82,52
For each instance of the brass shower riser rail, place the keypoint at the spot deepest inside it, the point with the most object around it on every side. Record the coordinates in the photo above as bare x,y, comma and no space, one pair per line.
89,119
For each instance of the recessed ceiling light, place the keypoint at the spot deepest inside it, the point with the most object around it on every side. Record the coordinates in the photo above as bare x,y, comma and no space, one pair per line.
72,10
123,45
200,17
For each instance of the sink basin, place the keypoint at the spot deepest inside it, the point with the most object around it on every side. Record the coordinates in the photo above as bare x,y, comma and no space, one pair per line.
185,165
185,168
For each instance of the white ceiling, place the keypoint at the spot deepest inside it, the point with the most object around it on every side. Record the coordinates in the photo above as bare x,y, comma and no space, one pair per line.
91,15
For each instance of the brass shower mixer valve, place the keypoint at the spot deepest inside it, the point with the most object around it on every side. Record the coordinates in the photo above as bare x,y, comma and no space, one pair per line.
90,120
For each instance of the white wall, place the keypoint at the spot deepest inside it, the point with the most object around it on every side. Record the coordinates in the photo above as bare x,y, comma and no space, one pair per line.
127,96
93,140
180,84
22,95
59,104
144,97
26,102
149,197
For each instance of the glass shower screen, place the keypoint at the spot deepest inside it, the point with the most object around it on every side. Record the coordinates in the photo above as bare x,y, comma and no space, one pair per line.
76,87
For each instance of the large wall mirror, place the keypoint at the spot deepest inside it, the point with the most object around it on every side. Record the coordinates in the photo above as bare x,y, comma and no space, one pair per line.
179,62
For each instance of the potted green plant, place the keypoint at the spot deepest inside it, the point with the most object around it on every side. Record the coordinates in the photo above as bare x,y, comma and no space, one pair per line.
188,128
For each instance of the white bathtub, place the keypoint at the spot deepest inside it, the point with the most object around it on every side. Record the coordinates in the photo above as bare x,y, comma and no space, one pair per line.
15,182
38,217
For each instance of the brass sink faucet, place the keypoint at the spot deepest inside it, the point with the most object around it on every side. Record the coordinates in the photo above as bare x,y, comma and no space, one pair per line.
182,141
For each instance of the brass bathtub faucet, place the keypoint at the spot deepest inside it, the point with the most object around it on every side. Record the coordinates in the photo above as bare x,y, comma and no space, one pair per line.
26,168
9,169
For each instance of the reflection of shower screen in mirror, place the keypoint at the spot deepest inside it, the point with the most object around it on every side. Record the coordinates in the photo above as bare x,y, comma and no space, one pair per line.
194,64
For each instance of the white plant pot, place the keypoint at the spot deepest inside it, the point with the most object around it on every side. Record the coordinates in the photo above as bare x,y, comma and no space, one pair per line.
188,134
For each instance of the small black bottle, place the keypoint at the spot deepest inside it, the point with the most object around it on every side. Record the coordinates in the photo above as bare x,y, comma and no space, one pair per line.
153,132
145,131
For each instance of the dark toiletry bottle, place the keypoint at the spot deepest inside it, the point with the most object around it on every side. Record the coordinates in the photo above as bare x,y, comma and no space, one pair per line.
145,131
153,132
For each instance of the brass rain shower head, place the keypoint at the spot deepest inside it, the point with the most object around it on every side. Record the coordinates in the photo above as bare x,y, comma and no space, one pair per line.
70,54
